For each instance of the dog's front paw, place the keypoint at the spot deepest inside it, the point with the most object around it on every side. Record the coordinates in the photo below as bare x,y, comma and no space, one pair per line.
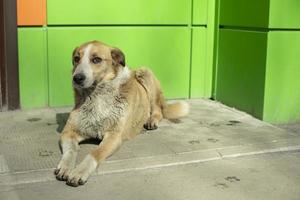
62,171
152,124
64,167
77,177
81,173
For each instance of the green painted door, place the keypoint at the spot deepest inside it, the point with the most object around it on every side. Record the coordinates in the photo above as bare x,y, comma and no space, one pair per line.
163,49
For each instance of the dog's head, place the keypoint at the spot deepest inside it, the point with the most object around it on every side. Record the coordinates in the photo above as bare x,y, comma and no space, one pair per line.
94,62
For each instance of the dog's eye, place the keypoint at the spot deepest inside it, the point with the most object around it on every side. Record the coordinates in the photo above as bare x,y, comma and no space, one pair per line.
96,60
76,59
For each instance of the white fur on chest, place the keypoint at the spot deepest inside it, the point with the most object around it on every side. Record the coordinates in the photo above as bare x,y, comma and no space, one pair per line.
100,112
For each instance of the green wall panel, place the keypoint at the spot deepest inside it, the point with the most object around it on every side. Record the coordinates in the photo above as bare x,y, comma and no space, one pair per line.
241,70
212,42
284,14
199,79
200,12
163,49
32,67
118,12
282,90
254,13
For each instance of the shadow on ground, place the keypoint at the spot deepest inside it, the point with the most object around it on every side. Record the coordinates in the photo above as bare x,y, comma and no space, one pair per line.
61,120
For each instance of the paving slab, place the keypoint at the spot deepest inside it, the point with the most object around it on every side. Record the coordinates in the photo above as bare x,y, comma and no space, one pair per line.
273,176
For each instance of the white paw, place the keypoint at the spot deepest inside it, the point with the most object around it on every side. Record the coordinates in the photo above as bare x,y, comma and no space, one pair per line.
66,164
81,173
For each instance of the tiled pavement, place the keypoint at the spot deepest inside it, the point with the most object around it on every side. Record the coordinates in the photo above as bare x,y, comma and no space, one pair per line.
211,133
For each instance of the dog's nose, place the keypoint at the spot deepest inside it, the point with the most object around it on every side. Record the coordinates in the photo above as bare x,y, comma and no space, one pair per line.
79,78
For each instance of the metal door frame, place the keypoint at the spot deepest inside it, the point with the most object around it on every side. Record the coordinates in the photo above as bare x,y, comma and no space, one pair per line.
9,72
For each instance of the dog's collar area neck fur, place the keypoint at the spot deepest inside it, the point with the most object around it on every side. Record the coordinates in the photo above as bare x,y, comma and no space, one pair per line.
122,76
85,93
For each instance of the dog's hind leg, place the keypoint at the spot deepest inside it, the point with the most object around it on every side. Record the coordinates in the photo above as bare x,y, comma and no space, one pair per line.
146,78
69,143
110,143
156,104
155,117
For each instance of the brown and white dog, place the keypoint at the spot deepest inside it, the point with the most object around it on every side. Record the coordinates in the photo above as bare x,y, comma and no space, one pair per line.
112,103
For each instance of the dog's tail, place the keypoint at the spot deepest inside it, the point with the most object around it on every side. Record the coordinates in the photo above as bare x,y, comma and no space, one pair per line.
175,110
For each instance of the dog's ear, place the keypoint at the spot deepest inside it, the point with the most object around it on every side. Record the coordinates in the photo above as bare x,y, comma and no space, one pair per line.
118,57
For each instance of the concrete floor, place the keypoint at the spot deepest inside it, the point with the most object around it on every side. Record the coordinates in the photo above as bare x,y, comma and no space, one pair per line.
214,153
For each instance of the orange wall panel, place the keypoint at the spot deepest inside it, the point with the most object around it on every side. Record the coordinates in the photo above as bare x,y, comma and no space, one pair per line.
31,12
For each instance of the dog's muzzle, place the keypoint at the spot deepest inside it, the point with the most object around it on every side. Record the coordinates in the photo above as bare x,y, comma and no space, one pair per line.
78,79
